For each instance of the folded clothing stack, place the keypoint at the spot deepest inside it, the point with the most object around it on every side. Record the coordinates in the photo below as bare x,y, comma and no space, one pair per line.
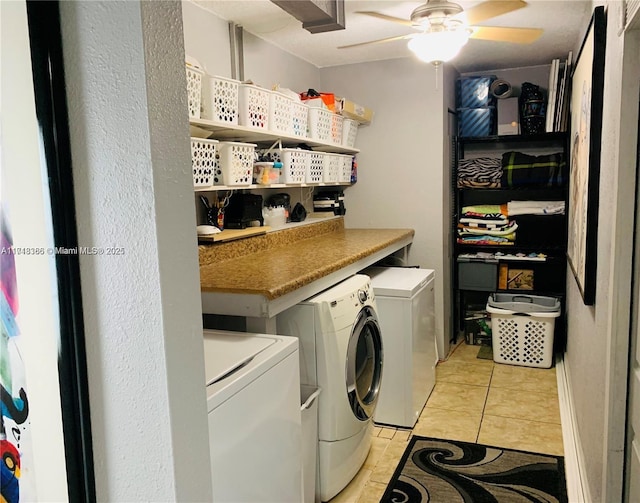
486,225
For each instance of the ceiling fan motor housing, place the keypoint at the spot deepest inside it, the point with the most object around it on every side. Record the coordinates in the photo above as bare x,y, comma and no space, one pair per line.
434,12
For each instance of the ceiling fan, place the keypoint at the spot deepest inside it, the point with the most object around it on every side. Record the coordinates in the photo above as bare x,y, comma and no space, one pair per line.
444,27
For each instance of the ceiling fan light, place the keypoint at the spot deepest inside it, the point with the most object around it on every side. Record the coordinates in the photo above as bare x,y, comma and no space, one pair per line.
438,47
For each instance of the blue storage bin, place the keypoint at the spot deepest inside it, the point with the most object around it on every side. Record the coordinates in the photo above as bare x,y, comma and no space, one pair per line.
473,92
477,121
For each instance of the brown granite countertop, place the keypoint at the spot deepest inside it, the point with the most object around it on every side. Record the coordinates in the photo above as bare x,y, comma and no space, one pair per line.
293,261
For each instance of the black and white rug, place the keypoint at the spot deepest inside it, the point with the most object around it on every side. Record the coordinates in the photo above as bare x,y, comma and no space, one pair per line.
446,471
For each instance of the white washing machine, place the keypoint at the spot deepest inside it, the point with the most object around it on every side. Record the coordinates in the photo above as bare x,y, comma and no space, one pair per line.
405,299
340,352
253,403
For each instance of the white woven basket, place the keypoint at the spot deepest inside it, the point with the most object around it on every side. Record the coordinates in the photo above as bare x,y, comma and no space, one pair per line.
220,99
236,162
299,118
349,132
336,129
344,175
194,90
332,167
320,122
315,168
280,109
204,162
254,107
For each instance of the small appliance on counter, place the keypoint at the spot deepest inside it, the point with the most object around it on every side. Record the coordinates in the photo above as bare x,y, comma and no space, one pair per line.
242,210
329,201
281,199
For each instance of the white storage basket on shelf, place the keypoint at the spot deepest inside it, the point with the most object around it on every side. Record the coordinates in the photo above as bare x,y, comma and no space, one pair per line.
280,110
336,129
320,121
194,90
522,328
349,132
344,175
254,107
332,167
294,161
236,162
315,167
220,99
299,118
204,162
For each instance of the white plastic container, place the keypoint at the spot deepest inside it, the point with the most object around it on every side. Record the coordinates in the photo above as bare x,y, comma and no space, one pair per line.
349,132
336,129
204,162
254,107
332,167
280,110
320,123
194,90
299,118
236,162
522,329
220,99
315,167
344,175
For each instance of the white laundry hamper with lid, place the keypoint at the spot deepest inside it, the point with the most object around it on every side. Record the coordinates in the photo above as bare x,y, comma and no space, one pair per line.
522,328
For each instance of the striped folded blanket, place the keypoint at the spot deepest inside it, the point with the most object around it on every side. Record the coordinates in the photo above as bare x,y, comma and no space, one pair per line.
520,169
478,173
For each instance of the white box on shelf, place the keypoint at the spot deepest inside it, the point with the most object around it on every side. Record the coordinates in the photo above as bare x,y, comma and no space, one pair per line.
236,162
315,167
349,132
320,123
204,162
220,99
299,118
336,128
280,110
344,175
194,90
254,107
332,167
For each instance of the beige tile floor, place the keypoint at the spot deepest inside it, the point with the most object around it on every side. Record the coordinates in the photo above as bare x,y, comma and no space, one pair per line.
474,400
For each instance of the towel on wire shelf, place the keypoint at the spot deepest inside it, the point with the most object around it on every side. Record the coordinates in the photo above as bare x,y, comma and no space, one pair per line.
535,208
486,209
479,173
487,240
520,169
503,230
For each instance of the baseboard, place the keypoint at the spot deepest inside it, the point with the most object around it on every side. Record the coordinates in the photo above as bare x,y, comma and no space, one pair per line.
577,487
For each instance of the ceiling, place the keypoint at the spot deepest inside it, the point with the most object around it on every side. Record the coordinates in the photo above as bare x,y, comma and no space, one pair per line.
563,21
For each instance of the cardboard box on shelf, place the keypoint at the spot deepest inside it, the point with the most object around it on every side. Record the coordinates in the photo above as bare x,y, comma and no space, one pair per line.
352,110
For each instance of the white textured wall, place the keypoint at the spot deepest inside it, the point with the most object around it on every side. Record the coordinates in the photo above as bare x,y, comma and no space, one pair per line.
132,179
402,180
25,194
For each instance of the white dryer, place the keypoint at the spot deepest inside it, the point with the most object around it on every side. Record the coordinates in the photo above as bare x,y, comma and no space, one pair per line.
253,402
340,352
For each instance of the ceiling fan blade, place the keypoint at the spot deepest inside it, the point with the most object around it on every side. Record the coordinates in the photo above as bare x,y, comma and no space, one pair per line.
504,34
385,17
491,9
380,41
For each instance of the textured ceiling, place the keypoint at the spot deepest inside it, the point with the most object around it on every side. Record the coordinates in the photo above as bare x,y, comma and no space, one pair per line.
563,21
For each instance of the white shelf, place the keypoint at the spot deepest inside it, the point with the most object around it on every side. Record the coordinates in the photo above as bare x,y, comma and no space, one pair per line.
212,188
203,128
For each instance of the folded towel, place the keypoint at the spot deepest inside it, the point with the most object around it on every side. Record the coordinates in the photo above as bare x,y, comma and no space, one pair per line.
499,231
486,209
535,208
481,172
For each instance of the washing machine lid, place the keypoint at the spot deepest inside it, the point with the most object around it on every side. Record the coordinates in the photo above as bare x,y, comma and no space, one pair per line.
398,281
226,353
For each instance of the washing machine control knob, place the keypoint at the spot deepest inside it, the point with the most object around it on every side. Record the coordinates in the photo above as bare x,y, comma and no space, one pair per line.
363,296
